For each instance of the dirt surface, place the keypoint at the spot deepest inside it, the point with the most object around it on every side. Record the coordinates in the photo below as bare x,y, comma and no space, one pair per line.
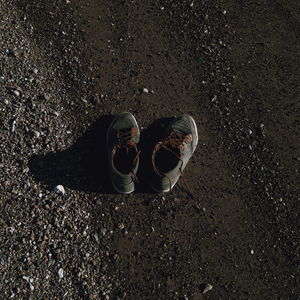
66,67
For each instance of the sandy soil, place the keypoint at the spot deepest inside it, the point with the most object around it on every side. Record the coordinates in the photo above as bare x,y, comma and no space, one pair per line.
67,66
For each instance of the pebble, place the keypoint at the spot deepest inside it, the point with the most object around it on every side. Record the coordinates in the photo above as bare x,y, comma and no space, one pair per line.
35,70
61,273
1,79
16,93
13,126
145,90
60,190
121,226
10,229
206,288
252,251
36,133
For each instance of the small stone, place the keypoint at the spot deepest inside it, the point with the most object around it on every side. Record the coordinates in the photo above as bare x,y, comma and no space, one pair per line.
206,287
60,190
214,98
96,237
36,133
26,170
16,93
252,251
10,229
145,90
1,79
26,278
121,226
61,273
13,126
35,70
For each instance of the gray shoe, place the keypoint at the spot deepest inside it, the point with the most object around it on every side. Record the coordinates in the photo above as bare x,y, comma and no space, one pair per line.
173,152
123,155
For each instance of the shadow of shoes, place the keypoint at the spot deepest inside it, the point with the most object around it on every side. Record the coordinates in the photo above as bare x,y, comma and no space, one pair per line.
81,167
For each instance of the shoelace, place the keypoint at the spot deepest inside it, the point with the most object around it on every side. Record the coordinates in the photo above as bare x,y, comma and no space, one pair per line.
176,140
125,140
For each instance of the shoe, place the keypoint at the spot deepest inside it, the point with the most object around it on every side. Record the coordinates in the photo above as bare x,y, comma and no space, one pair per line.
123,156
171,155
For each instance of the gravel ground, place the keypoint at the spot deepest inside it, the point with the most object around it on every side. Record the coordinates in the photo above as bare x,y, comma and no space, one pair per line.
67,66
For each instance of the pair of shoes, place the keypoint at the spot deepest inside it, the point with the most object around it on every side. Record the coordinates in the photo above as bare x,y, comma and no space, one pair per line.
169,157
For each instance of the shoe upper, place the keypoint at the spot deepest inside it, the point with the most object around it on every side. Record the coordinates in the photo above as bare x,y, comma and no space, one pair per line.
182,136
122,138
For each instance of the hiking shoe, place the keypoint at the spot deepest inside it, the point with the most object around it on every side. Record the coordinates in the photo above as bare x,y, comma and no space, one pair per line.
173,152
123,156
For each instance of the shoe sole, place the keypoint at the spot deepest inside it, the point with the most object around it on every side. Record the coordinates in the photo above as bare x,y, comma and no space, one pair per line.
196,132
108,130
121,192
168,190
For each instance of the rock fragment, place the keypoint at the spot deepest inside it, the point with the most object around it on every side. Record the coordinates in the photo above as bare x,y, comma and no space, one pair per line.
61,273
36,133
205,287
60,190
16,93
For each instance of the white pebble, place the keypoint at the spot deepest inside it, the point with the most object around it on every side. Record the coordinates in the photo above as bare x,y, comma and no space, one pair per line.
36,133
207,288
16,93
61,273
252,251
35,70
145,90
59,189
10,229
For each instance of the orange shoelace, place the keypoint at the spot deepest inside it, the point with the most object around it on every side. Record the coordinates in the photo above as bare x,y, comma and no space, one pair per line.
125,140
176,140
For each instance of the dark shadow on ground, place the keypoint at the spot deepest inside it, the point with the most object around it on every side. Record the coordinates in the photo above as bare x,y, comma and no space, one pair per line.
81,167
149,137
84,165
